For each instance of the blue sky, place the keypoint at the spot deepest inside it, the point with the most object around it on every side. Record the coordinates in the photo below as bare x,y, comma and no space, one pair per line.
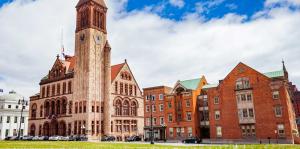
212,9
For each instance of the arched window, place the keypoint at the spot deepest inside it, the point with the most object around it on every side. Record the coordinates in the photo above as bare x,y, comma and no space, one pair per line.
70,107
58,107
126,108
58,89
33,111
41,111
64,88
70,87
52,107
126,89
64,106
47,109
133,108
32,130
118,107
80,107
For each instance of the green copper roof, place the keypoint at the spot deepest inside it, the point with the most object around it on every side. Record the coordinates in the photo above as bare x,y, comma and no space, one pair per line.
191,84
207,86
274,74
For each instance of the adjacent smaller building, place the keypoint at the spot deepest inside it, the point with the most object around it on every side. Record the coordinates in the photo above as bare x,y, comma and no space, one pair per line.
10,115
250,106
157,106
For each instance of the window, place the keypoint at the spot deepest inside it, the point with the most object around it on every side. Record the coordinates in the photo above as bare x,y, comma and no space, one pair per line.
53,90
126,108
216,100
121,88
1,118
179,117
17,107
154,121
188,103
249,97
161,96
251,113
48,91
116,87
130,90
171,132
189,116
126,89
170,117
8,119
276,95
278,111
219,131
58,89
9,106
43,91
161,107
148,122
70,87
93,108
190,131
22,119
6,132
153,108
16,120
169,104
217,115
280,129
64,88
162,121
242,83
248,130
245,113
147,108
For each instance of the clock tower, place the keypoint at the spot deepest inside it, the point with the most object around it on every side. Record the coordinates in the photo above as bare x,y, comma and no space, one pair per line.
92,78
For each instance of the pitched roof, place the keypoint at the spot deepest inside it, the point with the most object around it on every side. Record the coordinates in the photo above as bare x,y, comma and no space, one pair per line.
207,86
100,2
190,84
115,69
275,74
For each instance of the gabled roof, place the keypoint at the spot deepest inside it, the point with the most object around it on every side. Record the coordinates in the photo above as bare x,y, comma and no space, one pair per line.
207,86
190,84
115,69
275,74
100,2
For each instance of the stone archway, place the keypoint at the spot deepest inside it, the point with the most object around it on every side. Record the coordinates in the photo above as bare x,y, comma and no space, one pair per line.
54,128
46,128
62,128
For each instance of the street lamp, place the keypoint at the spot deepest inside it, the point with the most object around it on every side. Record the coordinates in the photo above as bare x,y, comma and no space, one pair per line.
151,119
276,136
23,103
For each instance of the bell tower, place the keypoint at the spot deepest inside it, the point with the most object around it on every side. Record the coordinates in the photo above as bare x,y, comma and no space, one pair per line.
92,77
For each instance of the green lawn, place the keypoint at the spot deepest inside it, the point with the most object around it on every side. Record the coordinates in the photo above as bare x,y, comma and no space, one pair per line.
90,145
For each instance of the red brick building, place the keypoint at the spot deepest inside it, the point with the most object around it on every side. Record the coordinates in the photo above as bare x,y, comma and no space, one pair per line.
296,103
248,106
178,108
158,111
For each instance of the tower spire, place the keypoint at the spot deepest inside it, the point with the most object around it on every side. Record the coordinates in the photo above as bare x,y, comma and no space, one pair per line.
283,66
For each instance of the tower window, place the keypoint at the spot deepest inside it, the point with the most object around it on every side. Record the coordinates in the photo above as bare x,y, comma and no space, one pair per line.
84,18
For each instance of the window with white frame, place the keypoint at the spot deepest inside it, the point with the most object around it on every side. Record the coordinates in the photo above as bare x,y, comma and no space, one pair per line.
249,97
216,100
162,120
147,108
190,131
154,121
251,112
148,122
217,115
161,107
242,83
280,130
153,108
171,132
189,116
188,103
275,94
170,117
219,131
278,111
161,96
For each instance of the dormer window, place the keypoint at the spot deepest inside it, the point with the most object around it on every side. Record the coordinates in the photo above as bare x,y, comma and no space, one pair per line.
242,83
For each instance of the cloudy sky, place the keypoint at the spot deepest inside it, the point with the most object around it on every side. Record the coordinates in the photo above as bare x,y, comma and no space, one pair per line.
163,40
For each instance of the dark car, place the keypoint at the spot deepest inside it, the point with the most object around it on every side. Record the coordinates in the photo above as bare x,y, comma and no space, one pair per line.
133,139
108,138
72,138
83,138
193,140
8,137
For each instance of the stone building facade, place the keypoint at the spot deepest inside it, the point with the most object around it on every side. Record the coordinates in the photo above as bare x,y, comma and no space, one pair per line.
250,106
80,94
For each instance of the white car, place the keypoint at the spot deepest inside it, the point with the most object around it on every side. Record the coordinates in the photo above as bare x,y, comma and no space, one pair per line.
55,138
65,138
35,138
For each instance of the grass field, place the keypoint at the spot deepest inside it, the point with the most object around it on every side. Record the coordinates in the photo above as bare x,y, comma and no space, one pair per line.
91,145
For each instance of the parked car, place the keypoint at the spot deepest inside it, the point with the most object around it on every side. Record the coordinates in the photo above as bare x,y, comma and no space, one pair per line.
66,138
55,138
27,138
133,138
83,138
194,140
72,138
108,138
43,138
7,138
35,138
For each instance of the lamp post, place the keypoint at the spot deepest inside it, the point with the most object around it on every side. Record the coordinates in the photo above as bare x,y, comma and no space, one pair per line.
276,136
23,103
151,119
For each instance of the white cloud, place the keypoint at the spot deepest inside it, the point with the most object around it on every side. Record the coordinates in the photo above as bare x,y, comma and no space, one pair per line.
177,3
271,3
205,6
160,51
